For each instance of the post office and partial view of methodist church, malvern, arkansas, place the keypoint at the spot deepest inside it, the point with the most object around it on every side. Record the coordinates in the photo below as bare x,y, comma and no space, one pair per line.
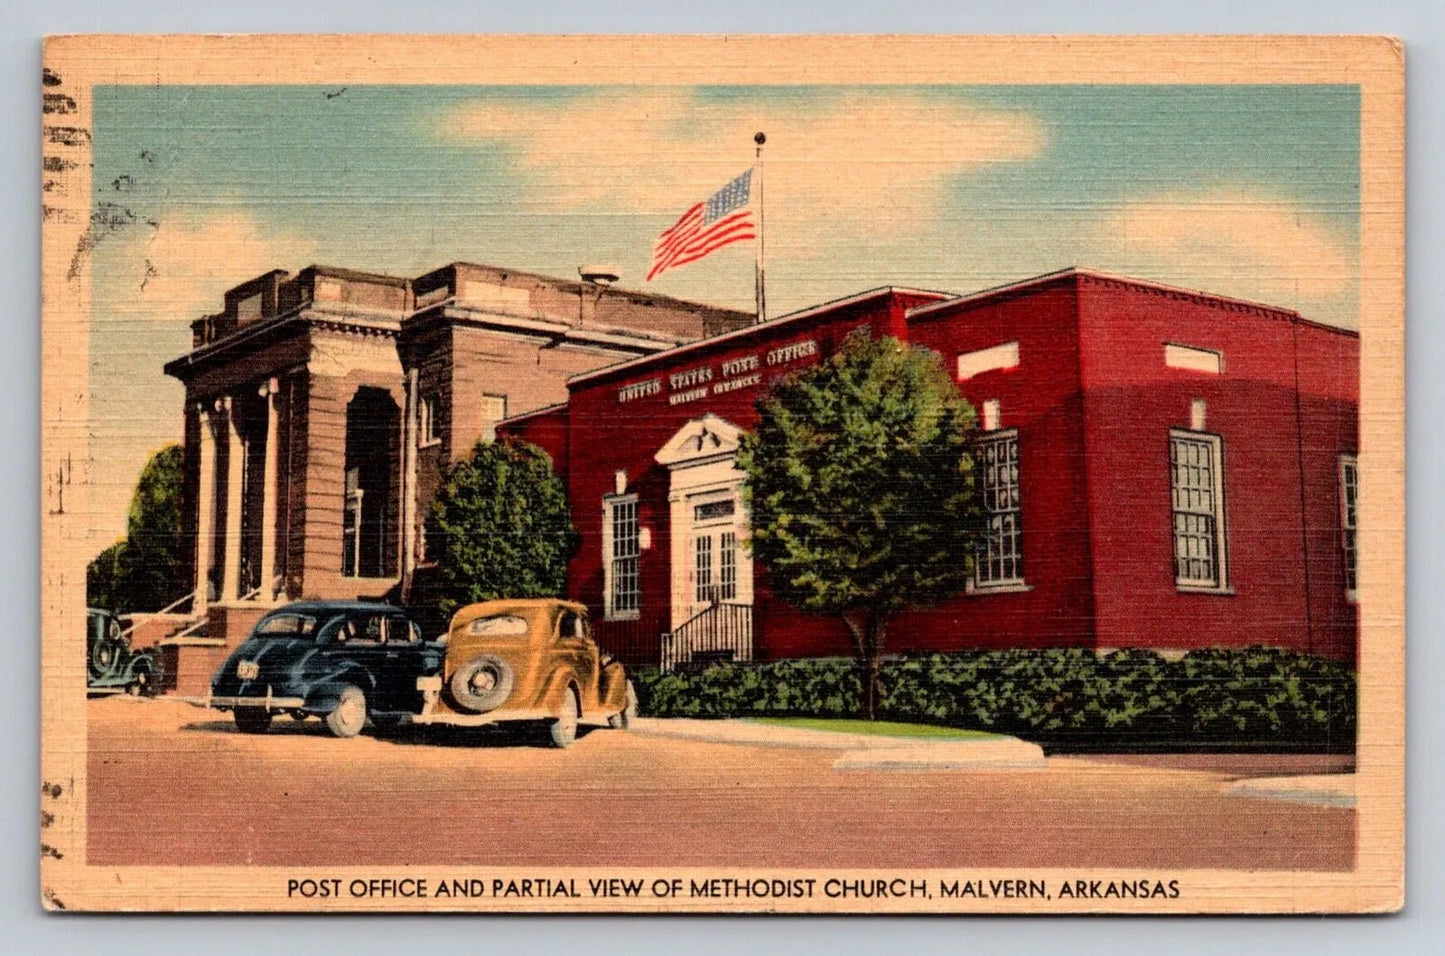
785,474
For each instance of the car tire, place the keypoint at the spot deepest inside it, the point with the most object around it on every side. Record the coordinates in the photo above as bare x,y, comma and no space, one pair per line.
141,686
348,717
481,684
624,717
252,720
563,730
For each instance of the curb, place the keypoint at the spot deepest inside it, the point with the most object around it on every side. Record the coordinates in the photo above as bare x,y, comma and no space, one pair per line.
1325,790
858,751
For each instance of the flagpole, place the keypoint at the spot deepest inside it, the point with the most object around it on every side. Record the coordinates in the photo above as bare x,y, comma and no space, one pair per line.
758,272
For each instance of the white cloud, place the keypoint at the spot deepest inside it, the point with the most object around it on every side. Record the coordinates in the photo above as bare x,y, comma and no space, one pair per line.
1236,240
179,269
832,165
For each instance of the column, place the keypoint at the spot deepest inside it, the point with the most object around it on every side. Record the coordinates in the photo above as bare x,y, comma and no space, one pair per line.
408,480
205,510
269,492
235,466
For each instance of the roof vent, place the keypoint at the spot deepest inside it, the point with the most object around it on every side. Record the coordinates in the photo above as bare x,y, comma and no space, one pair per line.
599,274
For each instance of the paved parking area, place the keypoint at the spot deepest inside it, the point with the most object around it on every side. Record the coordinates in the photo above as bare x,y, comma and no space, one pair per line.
173,784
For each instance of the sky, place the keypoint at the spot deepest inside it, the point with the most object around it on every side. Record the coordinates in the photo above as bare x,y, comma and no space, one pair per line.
1247,191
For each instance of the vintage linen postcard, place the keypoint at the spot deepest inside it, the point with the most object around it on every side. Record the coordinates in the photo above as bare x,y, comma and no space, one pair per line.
723,474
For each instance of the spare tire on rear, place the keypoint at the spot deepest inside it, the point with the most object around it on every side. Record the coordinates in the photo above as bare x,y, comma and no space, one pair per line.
483,683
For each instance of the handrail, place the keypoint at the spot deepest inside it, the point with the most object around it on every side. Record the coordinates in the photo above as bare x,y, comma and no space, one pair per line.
722,626
165,610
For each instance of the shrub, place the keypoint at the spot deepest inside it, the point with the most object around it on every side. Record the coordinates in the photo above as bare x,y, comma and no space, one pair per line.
1064,698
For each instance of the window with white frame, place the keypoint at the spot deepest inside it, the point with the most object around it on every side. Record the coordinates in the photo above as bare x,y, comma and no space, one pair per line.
494,409
1196,475
428,428
702,568
1000,559
622,544
1349,510
727,585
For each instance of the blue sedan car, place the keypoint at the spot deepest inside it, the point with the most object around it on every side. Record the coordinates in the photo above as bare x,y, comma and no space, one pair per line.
346,662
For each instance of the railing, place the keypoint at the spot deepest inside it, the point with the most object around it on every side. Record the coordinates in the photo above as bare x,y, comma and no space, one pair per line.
719,632
150,614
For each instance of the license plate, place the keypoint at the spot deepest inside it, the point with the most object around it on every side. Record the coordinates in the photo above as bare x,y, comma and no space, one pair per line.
248,670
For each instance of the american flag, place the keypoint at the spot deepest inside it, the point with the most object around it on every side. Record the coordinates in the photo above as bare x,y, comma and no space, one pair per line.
725,218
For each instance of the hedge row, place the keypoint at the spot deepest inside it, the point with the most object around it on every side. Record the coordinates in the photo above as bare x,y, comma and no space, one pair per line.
1066,699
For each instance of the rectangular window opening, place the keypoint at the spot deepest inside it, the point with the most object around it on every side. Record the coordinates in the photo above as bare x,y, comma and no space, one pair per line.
1196,466
428,428
999,561
625,548
494,410
1349,515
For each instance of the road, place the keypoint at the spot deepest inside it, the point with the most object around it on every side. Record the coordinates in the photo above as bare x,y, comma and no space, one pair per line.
173,784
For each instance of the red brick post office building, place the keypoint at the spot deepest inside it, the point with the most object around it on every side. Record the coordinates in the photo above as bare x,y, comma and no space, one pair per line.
1161,468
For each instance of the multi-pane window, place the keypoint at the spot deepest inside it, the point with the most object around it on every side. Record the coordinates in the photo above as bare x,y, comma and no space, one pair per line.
494,409
702,567
351,525
1000,556
1349,505
1196,467
625,546
428,427
727,566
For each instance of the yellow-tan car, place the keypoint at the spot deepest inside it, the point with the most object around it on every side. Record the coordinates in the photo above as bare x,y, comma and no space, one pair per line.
527,660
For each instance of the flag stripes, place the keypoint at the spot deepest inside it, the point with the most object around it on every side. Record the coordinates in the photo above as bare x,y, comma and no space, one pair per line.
726,217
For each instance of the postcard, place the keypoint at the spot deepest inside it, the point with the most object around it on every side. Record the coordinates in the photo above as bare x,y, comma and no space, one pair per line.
723,474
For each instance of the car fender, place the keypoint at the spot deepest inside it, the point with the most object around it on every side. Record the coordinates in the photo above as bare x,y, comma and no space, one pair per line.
612,687
325,691
557,684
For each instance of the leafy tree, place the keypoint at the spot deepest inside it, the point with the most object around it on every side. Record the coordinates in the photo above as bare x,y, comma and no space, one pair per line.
102,578
144,571
861,490
500,528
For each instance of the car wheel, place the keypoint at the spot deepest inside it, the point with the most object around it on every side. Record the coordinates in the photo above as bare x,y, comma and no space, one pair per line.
563,730
252,720
623,718
386,723
141,684
483,683
349,715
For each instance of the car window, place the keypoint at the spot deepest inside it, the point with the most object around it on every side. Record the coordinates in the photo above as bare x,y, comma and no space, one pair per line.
340,629
370,629
504,625
571,625
286,625
401,631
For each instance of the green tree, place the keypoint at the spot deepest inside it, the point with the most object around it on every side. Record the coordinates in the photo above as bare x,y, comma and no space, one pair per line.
500,528
103,585
861,490
144,571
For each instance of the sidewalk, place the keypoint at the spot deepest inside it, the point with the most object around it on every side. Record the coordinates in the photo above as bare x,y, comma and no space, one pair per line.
1327,790
857,751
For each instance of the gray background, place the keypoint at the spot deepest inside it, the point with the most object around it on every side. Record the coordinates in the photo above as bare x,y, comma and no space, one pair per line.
26,929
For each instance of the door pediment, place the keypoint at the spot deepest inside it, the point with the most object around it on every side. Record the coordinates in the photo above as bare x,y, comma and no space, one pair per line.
699,442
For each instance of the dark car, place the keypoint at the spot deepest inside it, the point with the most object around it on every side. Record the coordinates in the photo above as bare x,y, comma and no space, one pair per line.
343,661
111,664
